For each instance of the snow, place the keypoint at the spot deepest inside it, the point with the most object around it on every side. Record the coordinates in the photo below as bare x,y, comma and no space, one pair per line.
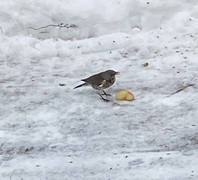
48,131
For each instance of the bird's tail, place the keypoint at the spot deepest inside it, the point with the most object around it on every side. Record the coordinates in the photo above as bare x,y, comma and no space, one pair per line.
84,84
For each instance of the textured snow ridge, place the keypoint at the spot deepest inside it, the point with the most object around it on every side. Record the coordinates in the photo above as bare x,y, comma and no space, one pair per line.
53,132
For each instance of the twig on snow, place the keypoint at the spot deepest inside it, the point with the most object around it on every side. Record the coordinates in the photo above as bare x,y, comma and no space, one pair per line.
61,25
182,88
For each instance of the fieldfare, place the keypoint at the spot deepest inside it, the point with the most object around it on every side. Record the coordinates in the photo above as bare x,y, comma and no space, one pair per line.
100,81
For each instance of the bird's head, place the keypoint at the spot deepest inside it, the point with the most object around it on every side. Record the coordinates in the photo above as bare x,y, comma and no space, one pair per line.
112,72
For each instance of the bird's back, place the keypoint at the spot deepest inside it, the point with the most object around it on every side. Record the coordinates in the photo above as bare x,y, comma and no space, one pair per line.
95,79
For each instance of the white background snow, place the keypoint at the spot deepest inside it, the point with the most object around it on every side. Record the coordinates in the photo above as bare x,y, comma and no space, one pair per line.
53,132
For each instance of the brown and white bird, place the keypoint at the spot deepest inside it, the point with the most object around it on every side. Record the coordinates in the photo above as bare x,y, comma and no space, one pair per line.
100,81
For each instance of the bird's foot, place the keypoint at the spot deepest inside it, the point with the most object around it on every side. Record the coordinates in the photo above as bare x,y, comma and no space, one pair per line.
104,99
106,93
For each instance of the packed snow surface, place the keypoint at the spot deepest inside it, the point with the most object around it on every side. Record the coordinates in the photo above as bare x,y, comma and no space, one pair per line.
54,132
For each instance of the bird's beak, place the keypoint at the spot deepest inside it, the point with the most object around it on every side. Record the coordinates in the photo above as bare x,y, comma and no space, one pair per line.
117,73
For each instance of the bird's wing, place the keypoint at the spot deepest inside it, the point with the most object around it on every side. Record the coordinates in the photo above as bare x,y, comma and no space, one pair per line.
102,83
95,79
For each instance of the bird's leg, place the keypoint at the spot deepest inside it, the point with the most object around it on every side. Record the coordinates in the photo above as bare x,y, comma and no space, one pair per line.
106,100
105,93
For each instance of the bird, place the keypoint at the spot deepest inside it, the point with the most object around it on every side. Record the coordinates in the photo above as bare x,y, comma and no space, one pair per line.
100,81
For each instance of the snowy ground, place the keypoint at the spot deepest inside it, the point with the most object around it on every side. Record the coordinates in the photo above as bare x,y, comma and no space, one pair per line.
53,132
